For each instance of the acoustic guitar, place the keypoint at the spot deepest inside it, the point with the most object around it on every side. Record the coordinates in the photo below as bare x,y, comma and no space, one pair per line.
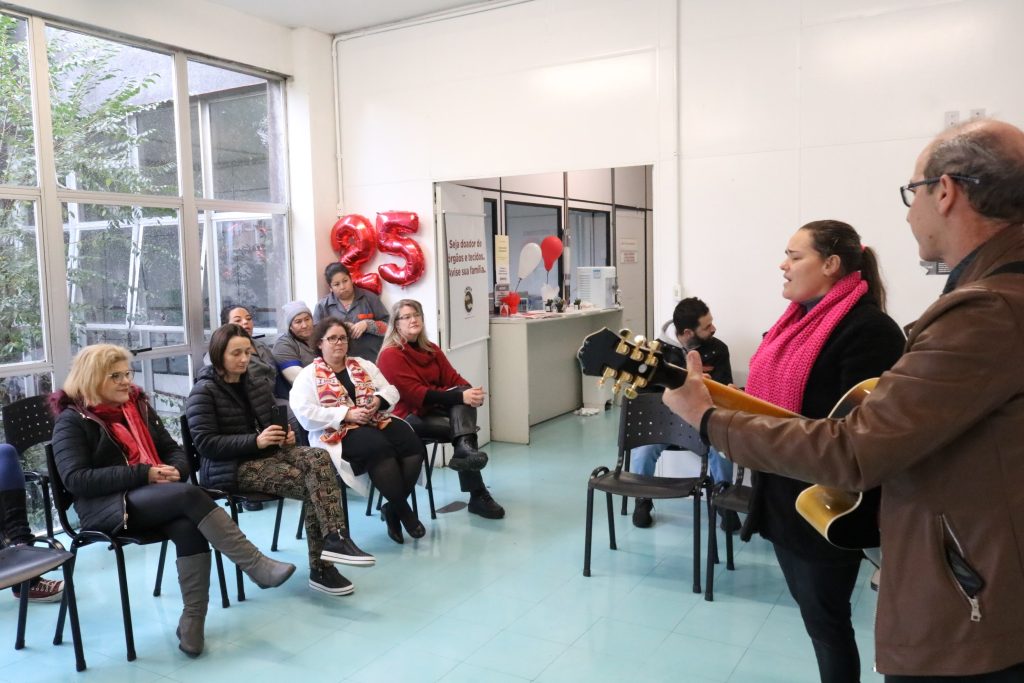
847,519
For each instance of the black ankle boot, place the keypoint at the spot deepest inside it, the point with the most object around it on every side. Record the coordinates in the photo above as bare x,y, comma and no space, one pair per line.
387,513
466,457
14,526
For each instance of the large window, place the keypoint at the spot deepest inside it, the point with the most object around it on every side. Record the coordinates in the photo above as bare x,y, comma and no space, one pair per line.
159,194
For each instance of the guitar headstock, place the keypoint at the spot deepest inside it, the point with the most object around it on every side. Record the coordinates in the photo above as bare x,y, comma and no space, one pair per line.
632,362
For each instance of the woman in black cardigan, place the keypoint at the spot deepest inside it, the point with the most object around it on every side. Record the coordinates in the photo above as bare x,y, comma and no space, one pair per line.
231,419
834,334
128,474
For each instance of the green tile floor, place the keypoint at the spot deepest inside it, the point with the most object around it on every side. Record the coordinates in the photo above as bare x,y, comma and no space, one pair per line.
475,600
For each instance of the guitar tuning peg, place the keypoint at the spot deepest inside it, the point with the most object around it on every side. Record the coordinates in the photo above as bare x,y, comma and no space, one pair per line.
631,392
606,375
654,346
626,334
617,387
638,354
626,376
640,382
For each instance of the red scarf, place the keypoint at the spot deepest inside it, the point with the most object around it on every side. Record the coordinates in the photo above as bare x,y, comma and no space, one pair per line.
331,392
129,430
782,363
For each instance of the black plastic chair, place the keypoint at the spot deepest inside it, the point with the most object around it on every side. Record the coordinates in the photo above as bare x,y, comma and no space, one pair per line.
646,420
20,564
734,497
234,499
63,500
27,423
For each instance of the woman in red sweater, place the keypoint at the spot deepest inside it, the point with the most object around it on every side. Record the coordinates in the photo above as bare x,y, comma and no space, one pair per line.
435,399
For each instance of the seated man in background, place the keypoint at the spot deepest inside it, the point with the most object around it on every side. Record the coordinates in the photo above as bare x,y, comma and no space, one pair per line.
14,528
692,327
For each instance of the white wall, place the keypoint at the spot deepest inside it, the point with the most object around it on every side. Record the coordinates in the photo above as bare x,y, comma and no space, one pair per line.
544,86
794,111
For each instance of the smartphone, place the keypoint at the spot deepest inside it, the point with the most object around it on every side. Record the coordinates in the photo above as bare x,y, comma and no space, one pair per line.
281,417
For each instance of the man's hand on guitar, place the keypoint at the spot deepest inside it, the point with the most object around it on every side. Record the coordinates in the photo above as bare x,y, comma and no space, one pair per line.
692,399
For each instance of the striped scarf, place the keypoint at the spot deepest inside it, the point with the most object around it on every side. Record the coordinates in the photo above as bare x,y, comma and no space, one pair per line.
331,392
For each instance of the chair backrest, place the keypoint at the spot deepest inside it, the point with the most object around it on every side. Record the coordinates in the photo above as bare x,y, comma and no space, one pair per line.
27,422
62,498
647,420
190,450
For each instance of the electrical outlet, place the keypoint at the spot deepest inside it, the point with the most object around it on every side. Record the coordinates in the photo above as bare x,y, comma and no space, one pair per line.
977,114
951,118
677,292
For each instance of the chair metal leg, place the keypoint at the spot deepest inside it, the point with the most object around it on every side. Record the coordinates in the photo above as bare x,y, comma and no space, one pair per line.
48,514
589,532
728,553
709,588
430,482
277,524
344,502
58,633
126,605
224,601
240,584
369,500
302,516
19,641
611,522
696,541
158,585
72,606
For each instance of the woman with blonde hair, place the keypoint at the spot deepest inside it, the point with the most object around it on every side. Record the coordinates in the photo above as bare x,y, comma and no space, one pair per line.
436,400
127,474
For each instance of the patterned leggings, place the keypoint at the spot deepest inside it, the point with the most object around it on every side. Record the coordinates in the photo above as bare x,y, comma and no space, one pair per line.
306,474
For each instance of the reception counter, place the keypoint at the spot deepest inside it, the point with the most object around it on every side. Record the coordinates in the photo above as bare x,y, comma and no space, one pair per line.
534,375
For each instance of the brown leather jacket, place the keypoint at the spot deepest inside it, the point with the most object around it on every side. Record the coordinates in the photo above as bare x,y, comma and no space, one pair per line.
942,433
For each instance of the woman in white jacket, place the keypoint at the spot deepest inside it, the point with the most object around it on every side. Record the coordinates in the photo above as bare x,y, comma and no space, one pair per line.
344,402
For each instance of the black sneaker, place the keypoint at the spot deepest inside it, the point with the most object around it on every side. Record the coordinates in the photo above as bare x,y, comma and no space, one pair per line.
482,504
342,550
329,580
642,513
252,505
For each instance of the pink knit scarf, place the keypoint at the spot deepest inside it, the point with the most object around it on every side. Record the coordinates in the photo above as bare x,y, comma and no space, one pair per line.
782,363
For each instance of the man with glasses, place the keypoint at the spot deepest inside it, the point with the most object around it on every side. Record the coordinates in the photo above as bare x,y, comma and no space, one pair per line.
941,432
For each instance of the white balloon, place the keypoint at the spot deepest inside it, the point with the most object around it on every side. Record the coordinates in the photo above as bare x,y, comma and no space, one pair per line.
529,259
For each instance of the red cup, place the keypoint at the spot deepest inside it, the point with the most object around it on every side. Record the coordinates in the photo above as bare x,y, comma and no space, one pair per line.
512,299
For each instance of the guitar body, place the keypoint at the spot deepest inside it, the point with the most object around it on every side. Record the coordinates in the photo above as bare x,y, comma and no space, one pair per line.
847,519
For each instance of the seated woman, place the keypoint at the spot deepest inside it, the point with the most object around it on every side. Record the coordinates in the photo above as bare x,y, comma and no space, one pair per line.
128,474
361,308
231,418
343,402
263,361
14,527
436,399
292,350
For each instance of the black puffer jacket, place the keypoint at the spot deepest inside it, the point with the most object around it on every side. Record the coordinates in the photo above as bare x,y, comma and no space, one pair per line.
223,429
94,467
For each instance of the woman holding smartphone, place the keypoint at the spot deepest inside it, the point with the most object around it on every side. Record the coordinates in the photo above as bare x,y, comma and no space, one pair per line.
243,447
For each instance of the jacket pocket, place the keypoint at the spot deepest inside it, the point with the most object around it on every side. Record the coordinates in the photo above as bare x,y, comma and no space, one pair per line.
966,579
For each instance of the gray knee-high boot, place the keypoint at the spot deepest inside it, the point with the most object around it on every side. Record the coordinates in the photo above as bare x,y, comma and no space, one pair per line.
224,535
194,579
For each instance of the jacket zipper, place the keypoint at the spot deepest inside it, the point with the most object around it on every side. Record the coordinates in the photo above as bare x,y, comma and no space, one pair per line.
124,496
973,601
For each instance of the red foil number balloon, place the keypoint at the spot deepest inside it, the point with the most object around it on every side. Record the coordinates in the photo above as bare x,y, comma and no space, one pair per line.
391,228
354,241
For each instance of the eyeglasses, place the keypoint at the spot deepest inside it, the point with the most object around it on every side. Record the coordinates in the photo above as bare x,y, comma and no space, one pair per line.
336,340
410,316
118,377
907,191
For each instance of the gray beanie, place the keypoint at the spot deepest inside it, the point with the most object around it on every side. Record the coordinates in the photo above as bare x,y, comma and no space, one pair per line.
292,309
